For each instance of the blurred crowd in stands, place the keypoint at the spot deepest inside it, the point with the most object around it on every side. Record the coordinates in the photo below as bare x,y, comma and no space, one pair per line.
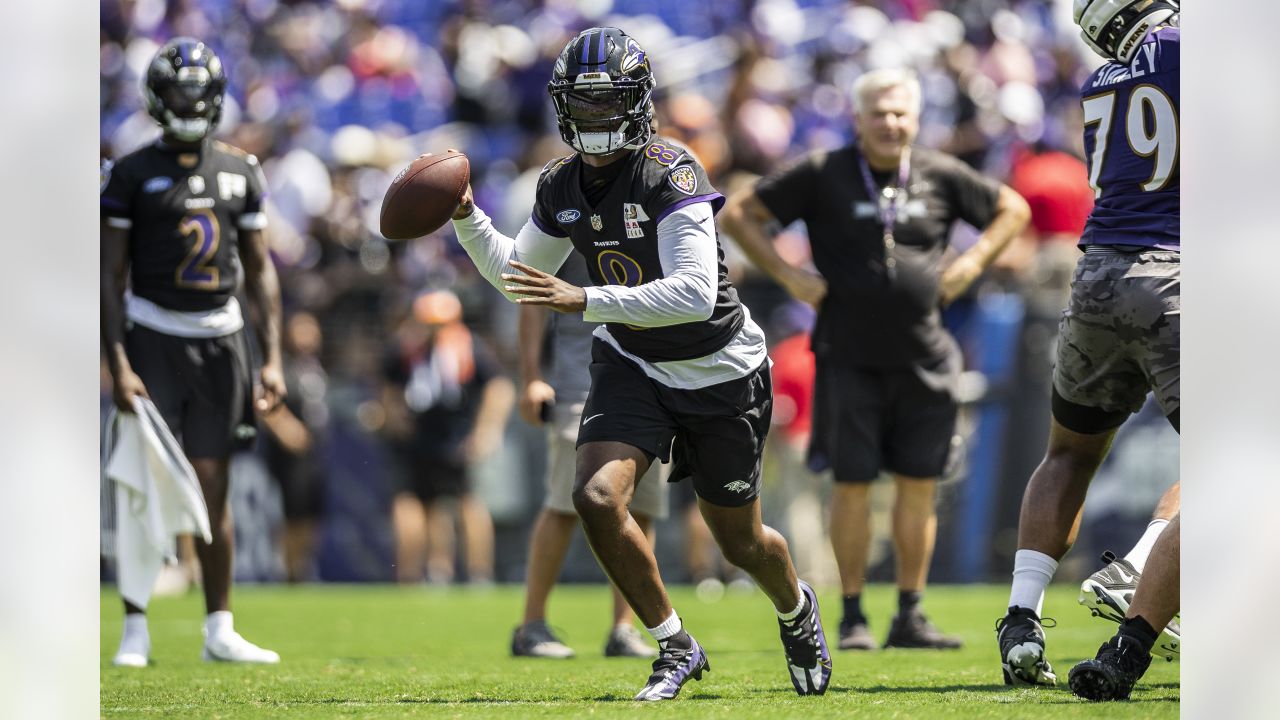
335,97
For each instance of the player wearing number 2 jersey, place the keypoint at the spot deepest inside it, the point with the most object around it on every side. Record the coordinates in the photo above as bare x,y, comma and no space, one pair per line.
178,219
678,368
1118,339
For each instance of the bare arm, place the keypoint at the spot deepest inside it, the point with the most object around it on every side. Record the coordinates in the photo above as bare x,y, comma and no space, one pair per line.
287,429
535,391
1012,214
744,218
491,418
397,424
262,287
114,269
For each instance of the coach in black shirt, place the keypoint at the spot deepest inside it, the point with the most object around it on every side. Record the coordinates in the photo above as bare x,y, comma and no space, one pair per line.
878,213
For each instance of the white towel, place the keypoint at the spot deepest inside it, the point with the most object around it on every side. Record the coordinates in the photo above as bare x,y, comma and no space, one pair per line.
157,498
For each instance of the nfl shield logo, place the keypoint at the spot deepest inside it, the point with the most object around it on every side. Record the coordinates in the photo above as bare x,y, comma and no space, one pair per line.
596,223
196,183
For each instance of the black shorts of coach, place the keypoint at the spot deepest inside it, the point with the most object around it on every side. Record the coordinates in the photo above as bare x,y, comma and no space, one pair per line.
203,388
715,434
869,420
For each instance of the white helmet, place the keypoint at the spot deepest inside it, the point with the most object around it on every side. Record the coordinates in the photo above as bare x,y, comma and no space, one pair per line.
1114,28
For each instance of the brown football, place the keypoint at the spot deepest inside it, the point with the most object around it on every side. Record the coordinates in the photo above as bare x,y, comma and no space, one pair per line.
424,195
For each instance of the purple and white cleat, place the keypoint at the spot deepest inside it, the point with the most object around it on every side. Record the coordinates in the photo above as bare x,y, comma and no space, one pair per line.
673,668
808,658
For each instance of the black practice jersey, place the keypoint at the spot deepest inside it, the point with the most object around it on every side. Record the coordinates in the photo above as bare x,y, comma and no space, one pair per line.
618,236
870,317
184,210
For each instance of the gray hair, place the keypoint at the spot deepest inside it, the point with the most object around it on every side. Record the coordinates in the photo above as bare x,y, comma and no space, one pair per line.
877,81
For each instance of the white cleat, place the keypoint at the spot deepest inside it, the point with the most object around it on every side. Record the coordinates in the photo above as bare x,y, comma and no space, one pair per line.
134,651
1107,594
229,646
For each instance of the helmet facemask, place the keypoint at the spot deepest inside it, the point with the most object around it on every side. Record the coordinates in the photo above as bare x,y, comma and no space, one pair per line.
598,117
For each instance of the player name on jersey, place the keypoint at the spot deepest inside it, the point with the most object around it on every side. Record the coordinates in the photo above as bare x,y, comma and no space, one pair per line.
1145,62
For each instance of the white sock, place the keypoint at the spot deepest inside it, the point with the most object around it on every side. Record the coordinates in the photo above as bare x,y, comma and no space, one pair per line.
1032,572
217,623
1137,557
789,616
135,624
669,627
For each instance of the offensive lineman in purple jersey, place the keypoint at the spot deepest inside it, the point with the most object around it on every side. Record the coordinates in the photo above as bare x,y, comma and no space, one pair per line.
678,369
1118,339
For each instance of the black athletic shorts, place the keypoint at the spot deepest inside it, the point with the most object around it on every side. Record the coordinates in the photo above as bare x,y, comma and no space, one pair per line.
714,434
203,388
435,476
869,420
301,480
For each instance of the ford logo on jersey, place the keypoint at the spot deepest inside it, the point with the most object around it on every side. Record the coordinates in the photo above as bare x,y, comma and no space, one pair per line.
157,184
567,216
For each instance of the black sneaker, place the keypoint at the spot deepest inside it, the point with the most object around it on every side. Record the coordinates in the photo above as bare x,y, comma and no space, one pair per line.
673,668
913,630
1021,640
535,639
805,644
856,636
1110,675
1108,592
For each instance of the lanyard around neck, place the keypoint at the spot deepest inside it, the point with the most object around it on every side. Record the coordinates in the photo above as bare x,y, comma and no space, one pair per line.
893,193
888,200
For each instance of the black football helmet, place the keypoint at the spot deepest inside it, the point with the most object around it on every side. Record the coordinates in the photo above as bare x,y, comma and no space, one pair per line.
184,88
602,88
1115,28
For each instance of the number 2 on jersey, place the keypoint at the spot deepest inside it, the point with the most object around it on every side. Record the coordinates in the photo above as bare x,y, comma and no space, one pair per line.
1159,138
200,227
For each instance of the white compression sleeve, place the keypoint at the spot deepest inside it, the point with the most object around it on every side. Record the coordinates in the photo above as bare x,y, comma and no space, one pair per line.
491,251
686,292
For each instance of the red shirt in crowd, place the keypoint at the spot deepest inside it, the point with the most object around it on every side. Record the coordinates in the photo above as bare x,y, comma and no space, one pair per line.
1056,185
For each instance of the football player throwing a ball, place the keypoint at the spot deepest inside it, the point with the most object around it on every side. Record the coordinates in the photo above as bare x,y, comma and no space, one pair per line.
679,370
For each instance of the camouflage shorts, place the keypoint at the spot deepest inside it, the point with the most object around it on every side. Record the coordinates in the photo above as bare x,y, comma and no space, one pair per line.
1118,339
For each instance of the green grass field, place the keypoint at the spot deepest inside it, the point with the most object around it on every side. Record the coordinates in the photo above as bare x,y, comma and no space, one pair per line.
383,652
